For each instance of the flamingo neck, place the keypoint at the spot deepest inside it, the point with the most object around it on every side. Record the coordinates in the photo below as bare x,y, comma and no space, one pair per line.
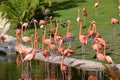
89,29
78,13
35,29
80,31
94,27
62,60
43,38
34,48
68,29
97,1
16,39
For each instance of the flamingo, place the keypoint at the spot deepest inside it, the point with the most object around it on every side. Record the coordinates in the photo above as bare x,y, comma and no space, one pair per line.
42,23
62,66
23,50
102,42
96,4
46,41
82,38
51,45
25,38
97,47
25,25
92,33
114,21
30,56
68,36
45,52
102,57
57,39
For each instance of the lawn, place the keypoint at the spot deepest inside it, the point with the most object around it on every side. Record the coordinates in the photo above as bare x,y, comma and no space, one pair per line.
67,10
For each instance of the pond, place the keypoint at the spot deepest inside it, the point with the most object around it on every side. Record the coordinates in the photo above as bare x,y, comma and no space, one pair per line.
39,70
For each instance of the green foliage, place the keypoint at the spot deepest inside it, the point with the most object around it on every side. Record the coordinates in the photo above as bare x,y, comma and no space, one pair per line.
18,10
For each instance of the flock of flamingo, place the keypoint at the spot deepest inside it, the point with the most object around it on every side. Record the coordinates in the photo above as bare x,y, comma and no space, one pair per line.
55,41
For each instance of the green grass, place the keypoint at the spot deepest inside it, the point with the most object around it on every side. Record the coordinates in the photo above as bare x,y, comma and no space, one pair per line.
67,10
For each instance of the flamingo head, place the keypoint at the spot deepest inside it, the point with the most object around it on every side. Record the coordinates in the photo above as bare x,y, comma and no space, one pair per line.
42,22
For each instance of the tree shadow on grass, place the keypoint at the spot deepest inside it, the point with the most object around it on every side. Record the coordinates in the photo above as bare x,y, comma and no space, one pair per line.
65,5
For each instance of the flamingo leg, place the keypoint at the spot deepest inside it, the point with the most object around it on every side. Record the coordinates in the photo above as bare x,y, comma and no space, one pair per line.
83,75
83,52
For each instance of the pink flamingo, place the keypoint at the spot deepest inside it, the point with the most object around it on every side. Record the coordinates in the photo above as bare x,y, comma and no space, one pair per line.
51,45
30,56
25,38
82,38
45,52
42,23
97,47
62,66
114,21
92,33
57,39
68,33
25,25
102,42
102,57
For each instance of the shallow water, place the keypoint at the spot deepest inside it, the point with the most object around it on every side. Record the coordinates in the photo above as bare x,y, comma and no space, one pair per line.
38,71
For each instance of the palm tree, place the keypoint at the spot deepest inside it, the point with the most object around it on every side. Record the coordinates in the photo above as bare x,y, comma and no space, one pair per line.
18,10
